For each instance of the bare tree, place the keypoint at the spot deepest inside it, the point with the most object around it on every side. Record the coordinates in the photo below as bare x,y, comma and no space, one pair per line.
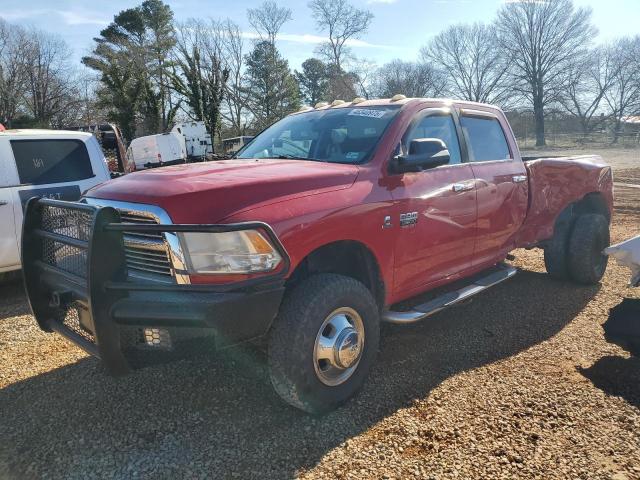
342,22
234,111
363,71
49,85
543,40
201,72
81,102
267,20
587,84
623,97
475,66
14,47
409,78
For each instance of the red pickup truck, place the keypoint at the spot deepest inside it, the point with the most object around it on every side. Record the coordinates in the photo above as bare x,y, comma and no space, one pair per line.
309,238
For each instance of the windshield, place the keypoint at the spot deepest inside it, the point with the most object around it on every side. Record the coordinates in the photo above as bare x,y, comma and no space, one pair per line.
341,135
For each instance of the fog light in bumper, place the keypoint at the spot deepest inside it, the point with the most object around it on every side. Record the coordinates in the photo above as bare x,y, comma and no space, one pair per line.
157,338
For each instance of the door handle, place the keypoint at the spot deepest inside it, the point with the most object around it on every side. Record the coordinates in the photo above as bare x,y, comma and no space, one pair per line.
2,202
519,178
462,187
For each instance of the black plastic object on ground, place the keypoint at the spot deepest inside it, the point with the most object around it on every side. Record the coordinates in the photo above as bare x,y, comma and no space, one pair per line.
623,325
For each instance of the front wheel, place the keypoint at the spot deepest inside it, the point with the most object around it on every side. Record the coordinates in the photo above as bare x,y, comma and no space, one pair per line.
323,342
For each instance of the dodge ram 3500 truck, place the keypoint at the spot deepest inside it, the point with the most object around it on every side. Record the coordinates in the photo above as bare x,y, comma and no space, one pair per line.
309,238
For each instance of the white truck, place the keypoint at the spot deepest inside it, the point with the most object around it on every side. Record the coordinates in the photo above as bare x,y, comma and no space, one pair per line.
44,163
197,141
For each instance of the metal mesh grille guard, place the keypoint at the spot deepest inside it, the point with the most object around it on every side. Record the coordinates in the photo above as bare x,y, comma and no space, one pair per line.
75,270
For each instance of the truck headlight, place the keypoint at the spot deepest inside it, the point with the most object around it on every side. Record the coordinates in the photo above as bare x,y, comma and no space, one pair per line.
244,251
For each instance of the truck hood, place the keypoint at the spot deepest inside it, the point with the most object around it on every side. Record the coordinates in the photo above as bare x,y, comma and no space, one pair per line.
209,192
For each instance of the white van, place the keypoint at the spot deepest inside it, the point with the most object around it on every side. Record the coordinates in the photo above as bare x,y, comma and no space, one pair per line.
157,150
44,163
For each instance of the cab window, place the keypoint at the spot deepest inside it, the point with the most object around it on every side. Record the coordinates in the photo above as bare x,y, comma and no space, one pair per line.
51,161
437,126
486,139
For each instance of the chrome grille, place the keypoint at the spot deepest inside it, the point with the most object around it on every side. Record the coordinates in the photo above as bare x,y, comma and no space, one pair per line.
146,253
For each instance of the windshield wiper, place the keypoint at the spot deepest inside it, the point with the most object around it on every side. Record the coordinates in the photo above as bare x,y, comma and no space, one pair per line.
293,157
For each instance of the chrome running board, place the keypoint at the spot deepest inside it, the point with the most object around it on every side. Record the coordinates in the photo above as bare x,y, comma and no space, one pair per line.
449,299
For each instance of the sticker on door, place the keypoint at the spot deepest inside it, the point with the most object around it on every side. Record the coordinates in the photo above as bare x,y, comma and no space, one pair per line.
68,192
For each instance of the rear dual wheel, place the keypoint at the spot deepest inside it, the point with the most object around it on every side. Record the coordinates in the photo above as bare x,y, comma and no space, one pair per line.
323,342
576,250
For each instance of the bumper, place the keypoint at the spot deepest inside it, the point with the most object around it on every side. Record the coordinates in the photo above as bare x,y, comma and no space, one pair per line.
77,283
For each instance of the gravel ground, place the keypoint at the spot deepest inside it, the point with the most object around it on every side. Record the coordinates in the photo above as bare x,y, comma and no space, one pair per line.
518,382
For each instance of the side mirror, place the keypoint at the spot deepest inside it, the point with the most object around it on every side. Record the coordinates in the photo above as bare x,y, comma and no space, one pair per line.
424,153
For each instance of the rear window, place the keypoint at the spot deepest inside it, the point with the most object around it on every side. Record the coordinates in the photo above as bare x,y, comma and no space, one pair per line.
486,139
51,161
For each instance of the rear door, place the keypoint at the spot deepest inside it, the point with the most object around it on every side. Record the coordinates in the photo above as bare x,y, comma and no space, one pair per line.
501,184
61,168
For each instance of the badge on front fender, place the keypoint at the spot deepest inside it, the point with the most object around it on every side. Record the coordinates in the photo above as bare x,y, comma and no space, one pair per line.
408,219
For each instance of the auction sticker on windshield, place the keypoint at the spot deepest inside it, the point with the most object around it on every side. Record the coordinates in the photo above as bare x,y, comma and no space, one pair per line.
365,112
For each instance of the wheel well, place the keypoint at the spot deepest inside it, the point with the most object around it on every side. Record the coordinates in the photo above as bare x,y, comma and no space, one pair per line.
347,257
590,203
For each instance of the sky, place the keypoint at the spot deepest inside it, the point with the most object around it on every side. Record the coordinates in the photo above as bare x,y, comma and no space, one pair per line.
398,30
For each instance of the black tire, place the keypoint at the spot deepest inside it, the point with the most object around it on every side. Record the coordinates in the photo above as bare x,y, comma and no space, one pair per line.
634,348
589,237
555,252
293,336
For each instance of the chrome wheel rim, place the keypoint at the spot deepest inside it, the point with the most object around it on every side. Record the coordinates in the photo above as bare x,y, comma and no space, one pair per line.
338,347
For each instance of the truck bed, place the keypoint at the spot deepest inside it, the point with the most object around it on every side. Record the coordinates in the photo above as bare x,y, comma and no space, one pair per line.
543,157
554,183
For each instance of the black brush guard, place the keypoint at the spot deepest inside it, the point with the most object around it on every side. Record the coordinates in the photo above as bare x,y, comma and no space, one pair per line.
76,280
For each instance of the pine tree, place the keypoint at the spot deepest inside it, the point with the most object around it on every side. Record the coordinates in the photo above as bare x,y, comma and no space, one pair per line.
131,56
271,89
313,81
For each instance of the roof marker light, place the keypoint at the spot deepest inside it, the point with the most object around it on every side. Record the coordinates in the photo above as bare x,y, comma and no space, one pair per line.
305,108
397,97
321,104
358,100
335,103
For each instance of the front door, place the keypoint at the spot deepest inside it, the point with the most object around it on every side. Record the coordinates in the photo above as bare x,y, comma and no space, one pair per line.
9,253
501,183
435,210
